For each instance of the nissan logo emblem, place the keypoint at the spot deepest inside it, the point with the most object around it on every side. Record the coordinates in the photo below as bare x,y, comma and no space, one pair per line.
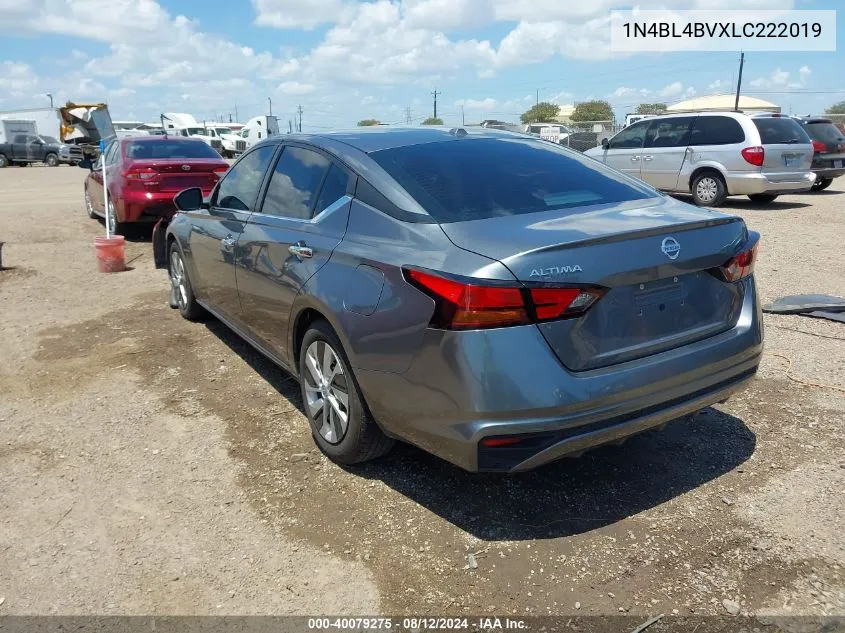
670,247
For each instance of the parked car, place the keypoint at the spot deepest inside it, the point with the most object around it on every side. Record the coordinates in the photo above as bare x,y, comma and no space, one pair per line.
828,150
495,299
36,148
144,173
712,155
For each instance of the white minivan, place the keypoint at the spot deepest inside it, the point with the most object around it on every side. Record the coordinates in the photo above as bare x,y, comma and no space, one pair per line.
712,155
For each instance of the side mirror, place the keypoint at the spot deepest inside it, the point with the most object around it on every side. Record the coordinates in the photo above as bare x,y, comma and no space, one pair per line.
189,199
86,163
605,143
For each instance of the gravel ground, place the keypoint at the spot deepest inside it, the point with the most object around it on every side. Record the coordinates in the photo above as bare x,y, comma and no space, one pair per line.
151,465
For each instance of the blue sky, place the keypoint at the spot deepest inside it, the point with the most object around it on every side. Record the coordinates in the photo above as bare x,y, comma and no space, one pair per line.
344,60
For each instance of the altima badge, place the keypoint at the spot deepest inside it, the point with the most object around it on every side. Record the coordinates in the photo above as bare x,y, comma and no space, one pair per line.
670,247
555,270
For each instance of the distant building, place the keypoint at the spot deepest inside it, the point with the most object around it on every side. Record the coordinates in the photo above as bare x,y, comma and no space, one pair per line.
565,112
721,103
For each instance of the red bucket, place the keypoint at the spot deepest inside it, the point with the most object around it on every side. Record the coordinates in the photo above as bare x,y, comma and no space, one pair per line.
111,254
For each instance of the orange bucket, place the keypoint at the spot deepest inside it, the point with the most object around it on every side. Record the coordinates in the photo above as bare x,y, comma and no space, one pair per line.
111,254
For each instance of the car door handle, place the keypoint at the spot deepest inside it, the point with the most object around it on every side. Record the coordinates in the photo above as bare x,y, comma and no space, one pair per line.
301,250
634,159
648,157
228,242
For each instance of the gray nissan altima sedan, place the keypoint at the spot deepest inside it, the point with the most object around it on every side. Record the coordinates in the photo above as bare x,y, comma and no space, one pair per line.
496,299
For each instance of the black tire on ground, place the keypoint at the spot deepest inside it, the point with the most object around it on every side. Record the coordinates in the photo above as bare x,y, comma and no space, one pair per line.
708,189
52,160
763,197
181,284
821,183
117,227
362,440
4,162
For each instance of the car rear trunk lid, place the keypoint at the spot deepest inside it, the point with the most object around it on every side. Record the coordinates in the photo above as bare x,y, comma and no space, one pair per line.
788,148
178,174
655,260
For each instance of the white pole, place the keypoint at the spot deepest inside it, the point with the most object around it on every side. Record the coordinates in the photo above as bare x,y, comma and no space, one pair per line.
106,196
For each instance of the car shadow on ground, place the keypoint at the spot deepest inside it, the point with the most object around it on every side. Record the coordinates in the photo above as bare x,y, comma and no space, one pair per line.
571,496
740,202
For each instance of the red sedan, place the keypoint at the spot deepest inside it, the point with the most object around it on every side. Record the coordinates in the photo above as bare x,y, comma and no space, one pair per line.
143,175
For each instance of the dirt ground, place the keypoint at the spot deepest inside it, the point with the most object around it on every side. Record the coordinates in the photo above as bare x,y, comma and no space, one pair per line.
149,465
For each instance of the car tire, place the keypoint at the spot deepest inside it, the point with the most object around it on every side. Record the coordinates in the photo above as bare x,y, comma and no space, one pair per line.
116,227
763,197
89,208
52,160
180,286
708,189
821,184
326,379
4,162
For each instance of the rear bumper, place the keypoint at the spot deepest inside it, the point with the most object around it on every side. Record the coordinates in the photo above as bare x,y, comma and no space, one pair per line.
148,206
465,386
746,183
828,172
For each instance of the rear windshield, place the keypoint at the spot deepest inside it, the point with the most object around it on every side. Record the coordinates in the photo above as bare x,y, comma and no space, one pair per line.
171,148
825,132
474,179
780,130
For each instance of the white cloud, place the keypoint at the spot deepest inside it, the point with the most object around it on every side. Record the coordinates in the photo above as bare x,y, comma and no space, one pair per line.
672,90
294,88
719,86
623,91
804,71
476,104
291,14
777,78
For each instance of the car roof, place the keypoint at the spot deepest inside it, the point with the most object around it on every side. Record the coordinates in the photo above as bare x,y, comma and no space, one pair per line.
153,138
378,138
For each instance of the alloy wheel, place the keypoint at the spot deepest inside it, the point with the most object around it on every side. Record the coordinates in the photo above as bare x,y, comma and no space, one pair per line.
178,279
706,189
326,392
111,218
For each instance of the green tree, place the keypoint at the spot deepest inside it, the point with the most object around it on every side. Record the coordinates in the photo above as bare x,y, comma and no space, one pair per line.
836,108
433,120
592,111
543,112
368,122
651,108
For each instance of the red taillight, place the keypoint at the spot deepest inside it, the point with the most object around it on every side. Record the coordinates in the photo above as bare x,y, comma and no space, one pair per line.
754,155
145,175
818,146
470,306
219,172
740,266
497,442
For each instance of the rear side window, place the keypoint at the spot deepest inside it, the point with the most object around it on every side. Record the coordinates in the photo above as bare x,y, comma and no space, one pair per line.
170,148
631,137
780,131
334,188
825,132
239,188
669,132
294,184
475,179
716,130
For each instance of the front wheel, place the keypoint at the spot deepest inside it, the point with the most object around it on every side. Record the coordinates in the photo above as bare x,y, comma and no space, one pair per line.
181,291
763,197
4,162
340,421
821,184
52,160
708,189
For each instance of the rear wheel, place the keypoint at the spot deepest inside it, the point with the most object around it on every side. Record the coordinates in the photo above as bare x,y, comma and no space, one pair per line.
821,183
4,162
341,424
52,160
116,227
708,189
763,197
182,293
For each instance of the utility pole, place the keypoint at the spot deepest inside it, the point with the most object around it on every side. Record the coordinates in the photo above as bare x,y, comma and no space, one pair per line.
290,126
236,112
408,115
463,118
538,96
434,94
51,99
230,117
299,111
270,101
739,81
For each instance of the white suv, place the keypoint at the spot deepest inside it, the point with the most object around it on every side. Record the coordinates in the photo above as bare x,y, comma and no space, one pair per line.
712,155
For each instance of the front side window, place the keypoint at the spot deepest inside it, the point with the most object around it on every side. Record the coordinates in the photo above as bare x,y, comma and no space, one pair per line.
239,188
631,137
295,183
480,178
672,132
716,130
